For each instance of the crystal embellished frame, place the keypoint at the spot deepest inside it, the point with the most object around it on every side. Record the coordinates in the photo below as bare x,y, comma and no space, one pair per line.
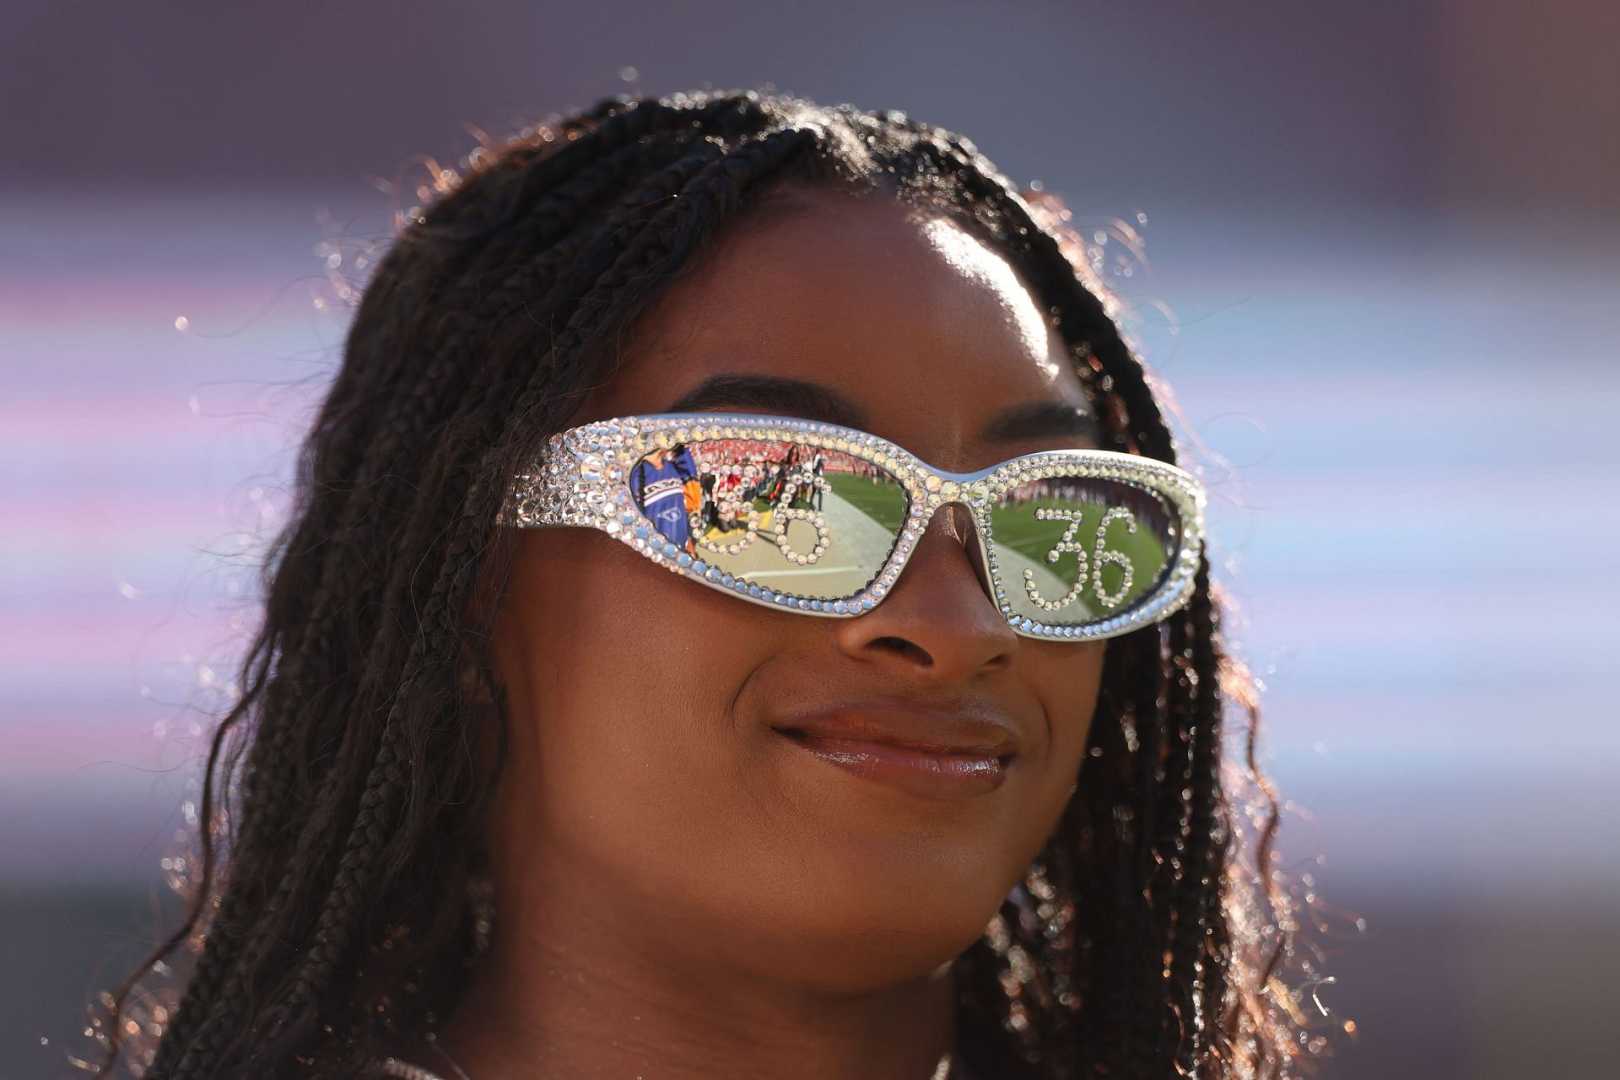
581,479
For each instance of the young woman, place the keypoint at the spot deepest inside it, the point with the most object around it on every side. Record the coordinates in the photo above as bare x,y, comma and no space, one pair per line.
920,778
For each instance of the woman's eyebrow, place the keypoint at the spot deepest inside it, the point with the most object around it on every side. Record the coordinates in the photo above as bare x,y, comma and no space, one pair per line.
796,397
1042,420
812,401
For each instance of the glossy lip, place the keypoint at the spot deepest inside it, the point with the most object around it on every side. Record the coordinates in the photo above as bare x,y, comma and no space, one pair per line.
931,752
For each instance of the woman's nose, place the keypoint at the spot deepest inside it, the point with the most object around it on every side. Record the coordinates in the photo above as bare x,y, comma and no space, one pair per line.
939,616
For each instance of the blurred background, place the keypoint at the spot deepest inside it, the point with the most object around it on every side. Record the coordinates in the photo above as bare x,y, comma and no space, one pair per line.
1382,251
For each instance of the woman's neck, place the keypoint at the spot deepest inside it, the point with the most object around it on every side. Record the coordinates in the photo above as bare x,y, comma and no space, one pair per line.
577,995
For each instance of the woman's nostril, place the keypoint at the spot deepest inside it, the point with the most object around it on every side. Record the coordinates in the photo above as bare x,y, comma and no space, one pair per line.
903,647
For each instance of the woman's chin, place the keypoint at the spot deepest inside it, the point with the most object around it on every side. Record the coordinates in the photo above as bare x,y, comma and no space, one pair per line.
862,955
860,925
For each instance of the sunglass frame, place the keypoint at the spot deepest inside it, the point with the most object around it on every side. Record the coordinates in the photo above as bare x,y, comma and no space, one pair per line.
580,479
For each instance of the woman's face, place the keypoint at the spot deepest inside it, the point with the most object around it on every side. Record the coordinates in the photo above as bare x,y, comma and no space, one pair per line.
647,776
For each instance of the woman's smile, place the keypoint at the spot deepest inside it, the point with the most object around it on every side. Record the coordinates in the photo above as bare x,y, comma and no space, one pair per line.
930,751
931,774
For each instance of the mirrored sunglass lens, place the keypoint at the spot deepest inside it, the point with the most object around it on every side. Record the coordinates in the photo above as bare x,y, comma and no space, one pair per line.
1076,550
804,520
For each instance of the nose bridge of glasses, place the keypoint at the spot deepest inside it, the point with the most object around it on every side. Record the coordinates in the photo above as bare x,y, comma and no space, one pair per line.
959,519
963,525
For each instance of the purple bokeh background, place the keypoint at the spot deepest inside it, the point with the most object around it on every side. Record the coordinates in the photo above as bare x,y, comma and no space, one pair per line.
1383,251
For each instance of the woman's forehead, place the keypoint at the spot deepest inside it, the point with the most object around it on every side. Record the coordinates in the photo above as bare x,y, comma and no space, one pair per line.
907,315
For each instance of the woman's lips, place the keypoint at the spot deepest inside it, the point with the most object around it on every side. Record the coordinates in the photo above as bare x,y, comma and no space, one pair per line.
941,749
930,773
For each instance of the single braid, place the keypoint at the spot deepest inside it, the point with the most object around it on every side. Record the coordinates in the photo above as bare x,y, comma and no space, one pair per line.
1200,889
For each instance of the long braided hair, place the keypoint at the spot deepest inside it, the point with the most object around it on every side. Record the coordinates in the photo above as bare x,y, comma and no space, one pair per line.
345,790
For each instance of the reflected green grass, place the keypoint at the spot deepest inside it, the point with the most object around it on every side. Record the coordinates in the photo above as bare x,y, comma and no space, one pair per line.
883,503
1018,528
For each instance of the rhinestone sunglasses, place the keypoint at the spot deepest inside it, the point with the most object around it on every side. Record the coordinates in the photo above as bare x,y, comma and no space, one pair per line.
821,519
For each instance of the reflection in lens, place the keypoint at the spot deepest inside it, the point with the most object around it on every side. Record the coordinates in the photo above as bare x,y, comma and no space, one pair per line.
805,520
1073,550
